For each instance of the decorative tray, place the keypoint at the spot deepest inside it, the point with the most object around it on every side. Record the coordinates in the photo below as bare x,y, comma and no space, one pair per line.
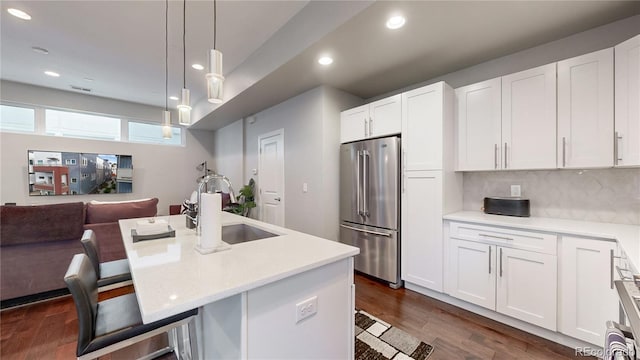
169,233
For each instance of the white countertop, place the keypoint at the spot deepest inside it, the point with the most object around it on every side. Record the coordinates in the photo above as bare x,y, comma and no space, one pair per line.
628,236
171,277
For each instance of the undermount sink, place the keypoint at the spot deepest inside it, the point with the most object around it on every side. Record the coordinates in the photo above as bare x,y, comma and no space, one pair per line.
239,233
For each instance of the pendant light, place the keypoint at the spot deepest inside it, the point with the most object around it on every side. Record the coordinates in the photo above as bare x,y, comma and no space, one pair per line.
214,77
166,122
184,109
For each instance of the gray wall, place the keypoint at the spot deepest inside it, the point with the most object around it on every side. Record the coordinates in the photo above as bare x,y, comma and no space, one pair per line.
228,152
311,123
165,172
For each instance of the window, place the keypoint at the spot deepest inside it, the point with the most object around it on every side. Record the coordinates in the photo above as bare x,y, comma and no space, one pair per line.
70,161
152,134
19,119
80,125
74,180
40,162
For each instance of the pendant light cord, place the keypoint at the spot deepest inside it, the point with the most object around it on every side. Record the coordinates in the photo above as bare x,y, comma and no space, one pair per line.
215,33
184,47
166,55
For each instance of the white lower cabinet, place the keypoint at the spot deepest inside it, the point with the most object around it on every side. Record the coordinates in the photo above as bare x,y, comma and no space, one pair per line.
472,271
489,272
526,286
587,296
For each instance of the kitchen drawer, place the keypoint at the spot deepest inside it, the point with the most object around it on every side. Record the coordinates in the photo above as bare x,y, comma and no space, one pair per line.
507,237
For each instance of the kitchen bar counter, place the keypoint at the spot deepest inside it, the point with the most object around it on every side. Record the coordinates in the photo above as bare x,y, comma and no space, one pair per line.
170,276
628,236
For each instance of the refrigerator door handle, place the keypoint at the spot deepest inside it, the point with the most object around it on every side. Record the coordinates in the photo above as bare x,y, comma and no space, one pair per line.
365,231
358,181
365,183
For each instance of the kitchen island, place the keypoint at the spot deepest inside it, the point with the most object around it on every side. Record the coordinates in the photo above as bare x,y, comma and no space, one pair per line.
286,296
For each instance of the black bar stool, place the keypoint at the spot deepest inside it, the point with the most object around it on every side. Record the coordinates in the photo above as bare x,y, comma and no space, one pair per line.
116,323
109,273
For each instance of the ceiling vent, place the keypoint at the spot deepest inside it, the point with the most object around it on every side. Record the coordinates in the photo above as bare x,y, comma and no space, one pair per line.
80,88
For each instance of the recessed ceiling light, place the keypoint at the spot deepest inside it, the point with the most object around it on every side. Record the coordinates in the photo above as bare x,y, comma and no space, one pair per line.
52,73
197,67
396,22
40,50
325,60
19,14
173,98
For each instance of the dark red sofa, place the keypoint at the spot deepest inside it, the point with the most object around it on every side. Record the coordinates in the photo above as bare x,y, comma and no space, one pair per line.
37,243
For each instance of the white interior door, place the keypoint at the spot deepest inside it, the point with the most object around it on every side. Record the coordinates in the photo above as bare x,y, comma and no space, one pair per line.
271,181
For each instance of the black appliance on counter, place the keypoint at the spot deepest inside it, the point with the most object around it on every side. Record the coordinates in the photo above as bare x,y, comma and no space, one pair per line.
510,206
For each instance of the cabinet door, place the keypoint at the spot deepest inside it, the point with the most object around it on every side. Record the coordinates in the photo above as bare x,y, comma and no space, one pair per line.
627,103
585,111
529,119
527,286
385,116
479,122
422,117
422,251
472,268
354,124
586,288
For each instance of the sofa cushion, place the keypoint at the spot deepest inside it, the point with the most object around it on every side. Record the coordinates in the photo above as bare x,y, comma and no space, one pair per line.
40,223
112,212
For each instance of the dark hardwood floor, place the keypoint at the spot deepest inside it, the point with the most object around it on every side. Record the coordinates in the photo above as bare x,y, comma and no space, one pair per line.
48,330
455,333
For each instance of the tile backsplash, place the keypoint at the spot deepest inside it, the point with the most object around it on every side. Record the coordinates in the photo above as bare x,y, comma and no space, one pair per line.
603,195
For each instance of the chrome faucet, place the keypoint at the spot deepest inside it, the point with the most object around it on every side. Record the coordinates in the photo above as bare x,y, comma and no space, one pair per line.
202,184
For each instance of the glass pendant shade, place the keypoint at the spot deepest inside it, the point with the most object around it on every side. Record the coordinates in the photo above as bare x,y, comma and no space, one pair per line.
166,125
214,77
184,109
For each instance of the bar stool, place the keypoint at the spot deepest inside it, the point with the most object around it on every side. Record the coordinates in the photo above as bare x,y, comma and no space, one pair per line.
113,324
109,273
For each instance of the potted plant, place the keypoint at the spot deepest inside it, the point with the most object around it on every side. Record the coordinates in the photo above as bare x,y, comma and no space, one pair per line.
246,200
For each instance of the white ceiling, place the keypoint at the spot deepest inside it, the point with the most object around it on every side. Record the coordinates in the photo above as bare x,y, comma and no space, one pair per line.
120,44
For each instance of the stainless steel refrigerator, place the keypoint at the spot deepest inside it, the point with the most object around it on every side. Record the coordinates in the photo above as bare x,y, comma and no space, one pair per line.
370,205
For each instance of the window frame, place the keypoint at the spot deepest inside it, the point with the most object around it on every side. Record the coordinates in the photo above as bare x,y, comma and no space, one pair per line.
23,106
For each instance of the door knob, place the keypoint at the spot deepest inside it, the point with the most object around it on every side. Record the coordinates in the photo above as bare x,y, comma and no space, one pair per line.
277,199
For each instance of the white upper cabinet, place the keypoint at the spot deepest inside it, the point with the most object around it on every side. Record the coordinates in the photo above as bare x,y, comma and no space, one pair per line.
379,118
385,116
422,127
479,126
585,111
529,119
627,103
354,124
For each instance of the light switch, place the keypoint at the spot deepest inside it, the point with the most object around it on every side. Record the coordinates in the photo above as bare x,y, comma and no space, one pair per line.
254,171
515,190
304,187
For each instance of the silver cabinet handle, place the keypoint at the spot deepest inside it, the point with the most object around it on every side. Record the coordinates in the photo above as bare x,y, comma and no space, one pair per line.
564,151
616,147
404,167
489,259
495,156
365,182
358,181
365,231
496,237
370,126
612,266
500,262
277,199
366,128
505,156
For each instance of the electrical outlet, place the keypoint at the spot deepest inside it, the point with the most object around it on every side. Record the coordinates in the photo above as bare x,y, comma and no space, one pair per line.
515,190
306,308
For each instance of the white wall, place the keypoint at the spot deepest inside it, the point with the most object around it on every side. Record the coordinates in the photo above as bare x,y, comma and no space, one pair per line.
165,172
228,151
311,123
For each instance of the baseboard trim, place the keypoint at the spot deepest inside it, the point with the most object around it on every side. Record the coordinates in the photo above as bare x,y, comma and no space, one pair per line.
32,299
518,324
